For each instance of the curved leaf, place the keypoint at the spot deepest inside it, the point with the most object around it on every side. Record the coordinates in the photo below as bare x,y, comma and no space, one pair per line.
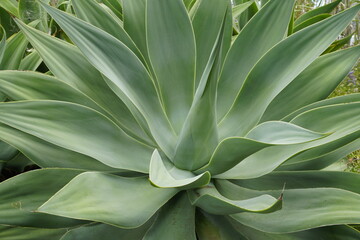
311,21
252,43
124,69
11,6
209,199
21,195
321,10
35,149
293,55
14,52
123,206
2,42
165,175
93,13
31,62
305,209
177,79
95,135
315,83
70,66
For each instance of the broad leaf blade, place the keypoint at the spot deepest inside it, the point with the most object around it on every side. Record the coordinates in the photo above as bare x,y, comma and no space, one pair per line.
123,206
95,135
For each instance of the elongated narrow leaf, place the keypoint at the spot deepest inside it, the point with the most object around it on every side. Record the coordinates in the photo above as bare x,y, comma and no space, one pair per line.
31,62
93,13
71,67
305,209
23,194
207,23
303,179
115,6
311,21
321,10
177,79
240,8
181,214
294,54
209,199
2,42
11,6
30,85
231,151
95,135
124,69
119,207
252,43
106,232
331,232
164,175
276,132
21,233
14,52
331,101
7,152
315,83
35,149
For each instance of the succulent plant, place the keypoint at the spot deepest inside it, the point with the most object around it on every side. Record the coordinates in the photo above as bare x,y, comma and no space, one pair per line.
155,125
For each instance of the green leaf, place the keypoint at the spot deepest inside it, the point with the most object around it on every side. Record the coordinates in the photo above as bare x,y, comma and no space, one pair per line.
305,209
70,66
2,42
21,195
19,85
106,232
123,206
124,69
303,180
209,199
343,124
331,101
7,152
331,232
215,227
93,13
115,6
315,83
336,45
231,151
311,21
31,62
277,132
177,50
11,6
14,52
321,10
35,149
240,8
252,43
95,135
176,220
207,23
293,55
21,233
164,175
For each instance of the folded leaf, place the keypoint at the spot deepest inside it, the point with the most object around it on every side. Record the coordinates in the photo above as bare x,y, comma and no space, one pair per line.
210,200
164,175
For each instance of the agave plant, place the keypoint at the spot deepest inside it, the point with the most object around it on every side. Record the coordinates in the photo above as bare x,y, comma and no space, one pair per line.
155,126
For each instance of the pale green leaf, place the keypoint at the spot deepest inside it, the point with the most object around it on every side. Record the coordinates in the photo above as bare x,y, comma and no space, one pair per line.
31,62
164,175
95,135
123,206
11,6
